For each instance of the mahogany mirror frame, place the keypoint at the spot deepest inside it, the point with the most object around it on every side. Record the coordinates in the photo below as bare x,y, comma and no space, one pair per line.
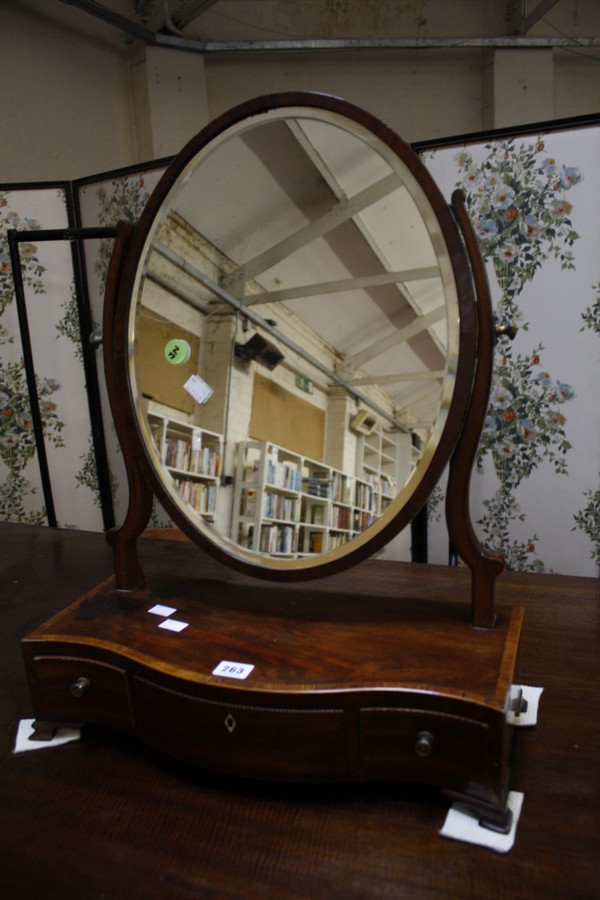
462,428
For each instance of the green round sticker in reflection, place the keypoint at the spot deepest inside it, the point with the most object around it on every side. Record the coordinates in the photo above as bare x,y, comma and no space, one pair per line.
177,352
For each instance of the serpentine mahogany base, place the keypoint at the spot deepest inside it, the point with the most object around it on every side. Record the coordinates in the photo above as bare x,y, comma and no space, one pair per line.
337,687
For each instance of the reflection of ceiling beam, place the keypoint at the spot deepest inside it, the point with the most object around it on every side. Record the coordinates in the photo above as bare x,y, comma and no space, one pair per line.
392,340
172,287
421,396
299,131
399,376
345,284
257,320
337,215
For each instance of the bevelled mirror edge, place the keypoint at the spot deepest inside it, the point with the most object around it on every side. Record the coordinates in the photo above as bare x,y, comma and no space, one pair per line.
457,383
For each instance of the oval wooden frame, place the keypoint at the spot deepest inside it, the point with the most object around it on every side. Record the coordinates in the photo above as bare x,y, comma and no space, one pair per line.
143,480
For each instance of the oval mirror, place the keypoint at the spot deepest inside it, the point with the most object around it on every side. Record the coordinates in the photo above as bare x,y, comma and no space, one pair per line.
300,335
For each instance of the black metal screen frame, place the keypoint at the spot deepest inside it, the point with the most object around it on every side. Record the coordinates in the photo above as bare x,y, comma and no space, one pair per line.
75,236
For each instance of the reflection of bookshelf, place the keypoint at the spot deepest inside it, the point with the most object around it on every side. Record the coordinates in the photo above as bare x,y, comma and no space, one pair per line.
192,456
289,505
267,497
383,466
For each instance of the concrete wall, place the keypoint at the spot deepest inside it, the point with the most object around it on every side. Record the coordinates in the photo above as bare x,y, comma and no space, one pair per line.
76,103
65,100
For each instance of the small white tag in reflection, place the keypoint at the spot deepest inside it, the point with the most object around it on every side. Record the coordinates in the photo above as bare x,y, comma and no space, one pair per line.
198,389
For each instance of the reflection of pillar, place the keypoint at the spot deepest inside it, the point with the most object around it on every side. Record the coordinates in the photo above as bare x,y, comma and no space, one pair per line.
216,415
518,87
217,339
340,442
170,103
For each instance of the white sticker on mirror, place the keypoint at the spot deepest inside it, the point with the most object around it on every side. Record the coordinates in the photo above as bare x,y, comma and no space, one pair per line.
198,389
228,669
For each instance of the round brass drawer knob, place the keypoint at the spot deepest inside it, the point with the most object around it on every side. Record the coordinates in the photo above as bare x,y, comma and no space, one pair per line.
424,743
81,687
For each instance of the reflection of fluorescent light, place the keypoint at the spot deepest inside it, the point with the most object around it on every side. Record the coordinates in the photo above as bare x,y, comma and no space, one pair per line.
363,422
260,350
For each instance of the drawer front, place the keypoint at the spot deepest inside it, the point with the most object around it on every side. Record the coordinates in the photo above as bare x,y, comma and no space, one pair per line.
429,747
242,740
77,689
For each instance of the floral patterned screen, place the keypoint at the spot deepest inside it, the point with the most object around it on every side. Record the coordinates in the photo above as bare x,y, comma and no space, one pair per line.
48,276
105,201
534,200
535,203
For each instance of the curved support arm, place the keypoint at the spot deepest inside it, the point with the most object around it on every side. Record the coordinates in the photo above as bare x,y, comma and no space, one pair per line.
485,567
128,572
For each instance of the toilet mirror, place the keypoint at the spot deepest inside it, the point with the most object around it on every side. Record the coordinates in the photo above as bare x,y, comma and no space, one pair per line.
299,349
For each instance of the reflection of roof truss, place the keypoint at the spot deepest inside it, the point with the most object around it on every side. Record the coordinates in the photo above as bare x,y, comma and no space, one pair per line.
339,214
344,209
345,284
399,376
392,340
318,204
232,302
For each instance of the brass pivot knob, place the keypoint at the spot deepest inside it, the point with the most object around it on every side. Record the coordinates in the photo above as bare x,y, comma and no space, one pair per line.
509,331
81,687
424,743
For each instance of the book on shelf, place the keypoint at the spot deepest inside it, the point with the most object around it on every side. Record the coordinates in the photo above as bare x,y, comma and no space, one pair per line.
178,453
206,461
202,497
362,520
341,487
284,475
317,515
203,461
340,517
249,502
317,484
365,496
278,506
277,539
316,542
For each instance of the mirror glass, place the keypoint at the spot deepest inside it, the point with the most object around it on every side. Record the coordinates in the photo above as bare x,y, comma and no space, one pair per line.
294,336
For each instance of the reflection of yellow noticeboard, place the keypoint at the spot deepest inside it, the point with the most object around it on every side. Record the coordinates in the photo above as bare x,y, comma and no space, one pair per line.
159,379
285,419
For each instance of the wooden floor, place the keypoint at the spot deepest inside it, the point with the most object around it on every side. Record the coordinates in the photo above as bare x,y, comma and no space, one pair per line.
109,818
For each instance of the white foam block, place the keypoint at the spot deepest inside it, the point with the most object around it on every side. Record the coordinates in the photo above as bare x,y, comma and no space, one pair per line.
532,696
25,730
463,825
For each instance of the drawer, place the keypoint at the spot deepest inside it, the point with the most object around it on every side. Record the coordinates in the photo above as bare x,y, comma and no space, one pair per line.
77,689
250,741
424,746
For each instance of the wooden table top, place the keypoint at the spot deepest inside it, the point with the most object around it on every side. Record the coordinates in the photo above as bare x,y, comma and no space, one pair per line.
108,817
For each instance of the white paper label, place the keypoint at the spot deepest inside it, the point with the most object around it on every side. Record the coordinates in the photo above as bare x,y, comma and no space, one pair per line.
229,669
198,389
160,610
173,625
